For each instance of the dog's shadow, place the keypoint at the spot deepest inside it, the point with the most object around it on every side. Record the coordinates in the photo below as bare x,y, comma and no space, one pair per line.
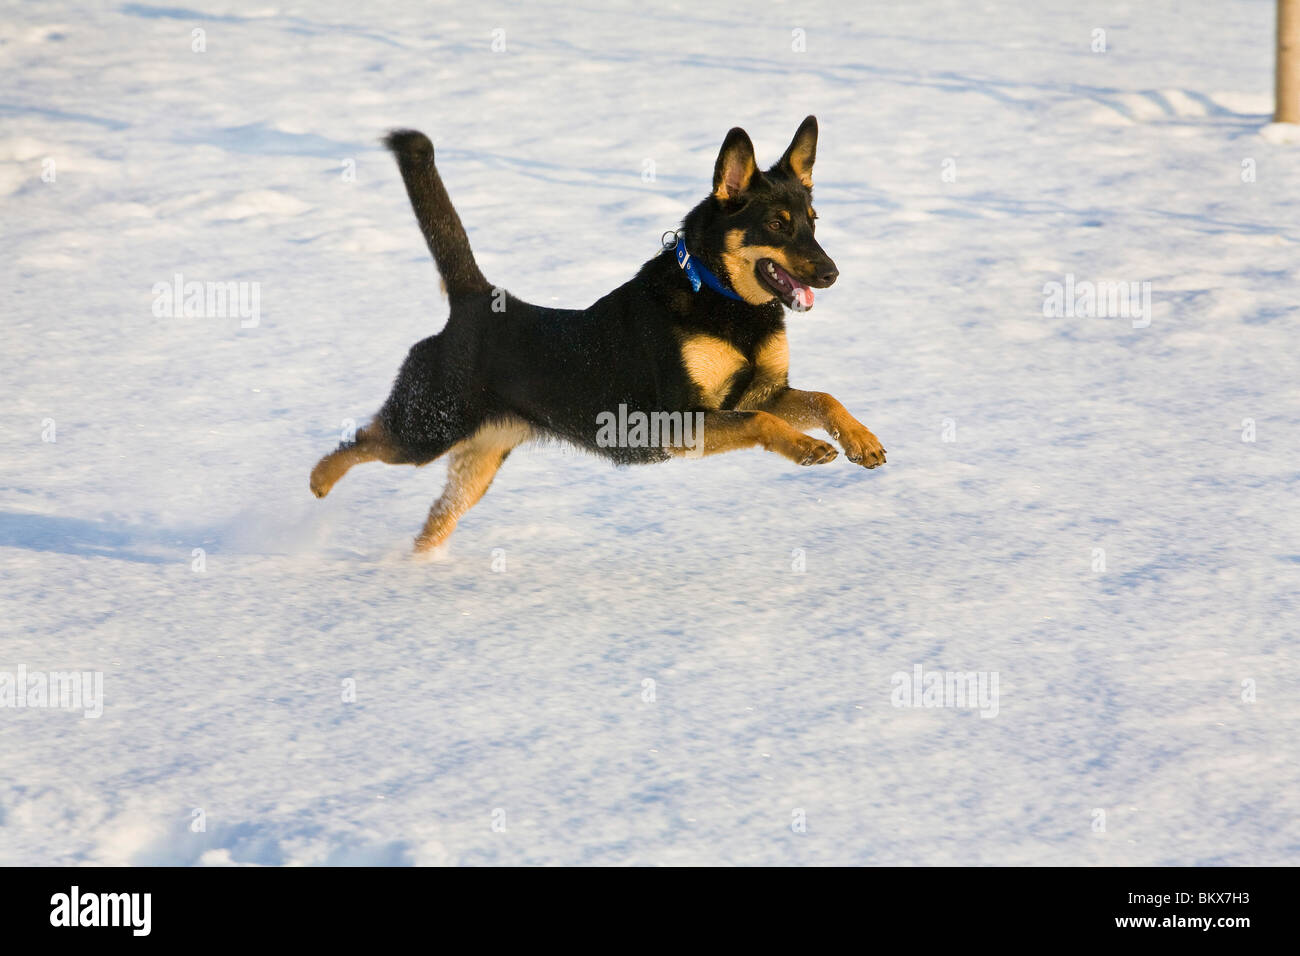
285,528
141,544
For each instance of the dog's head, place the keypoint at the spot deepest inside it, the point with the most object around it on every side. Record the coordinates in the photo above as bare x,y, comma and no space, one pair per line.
758,226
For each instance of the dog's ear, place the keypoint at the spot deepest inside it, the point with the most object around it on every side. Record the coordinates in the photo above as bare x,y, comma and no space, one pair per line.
735,168
802,151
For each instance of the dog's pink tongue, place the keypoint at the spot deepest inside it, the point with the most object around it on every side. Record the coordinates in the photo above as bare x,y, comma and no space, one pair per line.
803,297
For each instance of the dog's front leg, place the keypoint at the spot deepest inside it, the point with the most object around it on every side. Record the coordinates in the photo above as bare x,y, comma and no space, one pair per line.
820,410
729,430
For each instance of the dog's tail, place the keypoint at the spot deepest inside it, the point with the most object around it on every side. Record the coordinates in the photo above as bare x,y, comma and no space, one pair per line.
437,217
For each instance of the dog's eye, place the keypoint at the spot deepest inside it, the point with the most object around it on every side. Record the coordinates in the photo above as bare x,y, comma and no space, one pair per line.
776,225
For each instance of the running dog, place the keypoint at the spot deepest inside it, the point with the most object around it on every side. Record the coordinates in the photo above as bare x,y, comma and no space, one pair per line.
699,331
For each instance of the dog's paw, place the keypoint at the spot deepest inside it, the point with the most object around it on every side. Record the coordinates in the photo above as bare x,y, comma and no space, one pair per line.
435,533
813,451
863,448
320,483
429,545
429,552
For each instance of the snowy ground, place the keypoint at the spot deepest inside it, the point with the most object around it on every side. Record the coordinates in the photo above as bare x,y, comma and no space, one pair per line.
517,697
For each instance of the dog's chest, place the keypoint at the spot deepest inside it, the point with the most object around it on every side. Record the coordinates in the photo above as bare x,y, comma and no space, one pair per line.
725,377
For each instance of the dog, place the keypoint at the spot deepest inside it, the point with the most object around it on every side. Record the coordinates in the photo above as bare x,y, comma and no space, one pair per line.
699,331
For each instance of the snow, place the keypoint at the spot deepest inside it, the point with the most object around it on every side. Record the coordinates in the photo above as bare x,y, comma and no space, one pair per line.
518,696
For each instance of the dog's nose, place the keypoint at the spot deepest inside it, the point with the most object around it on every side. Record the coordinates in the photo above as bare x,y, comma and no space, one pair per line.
828,275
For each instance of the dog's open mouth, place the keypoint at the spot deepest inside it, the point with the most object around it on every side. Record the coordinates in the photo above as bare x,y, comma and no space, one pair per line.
792,293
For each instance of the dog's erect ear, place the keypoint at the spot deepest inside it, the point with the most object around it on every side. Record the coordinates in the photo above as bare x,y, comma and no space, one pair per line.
802,151
735,168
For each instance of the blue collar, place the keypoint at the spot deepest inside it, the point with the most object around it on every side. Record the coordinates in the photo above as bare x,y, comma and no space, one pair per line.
697,273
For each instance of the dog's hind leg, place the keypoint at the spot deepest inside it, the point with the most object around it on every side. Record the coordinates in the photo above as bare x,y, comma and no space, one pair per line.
372,444
471,467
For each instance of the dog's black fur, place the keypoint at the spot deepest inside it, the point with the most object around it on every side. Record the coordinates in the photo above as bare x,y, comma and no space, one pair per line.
503,370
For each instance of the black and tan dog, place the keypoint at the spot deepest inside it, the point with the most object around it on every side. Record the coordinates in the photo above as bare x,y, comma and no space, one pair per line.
700,329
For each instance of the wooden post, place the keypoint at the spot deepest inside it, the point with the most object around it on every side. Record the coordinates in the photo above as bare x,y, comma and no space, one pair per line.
1287,89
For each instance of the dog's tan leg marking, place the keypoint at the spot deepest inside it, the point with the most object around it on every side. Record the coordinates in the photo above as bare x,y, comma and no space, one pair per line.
819,410
728,431
771,370
371,445
470,469
711,363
